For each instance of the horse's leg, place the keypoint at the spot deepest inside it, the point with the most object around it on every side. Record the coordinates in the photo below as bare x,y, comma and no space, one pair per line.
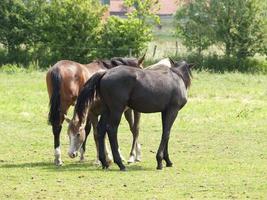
101,132
168,117
133,124
94,120
56,128
166,155
137,116
87,132
112,129
56,132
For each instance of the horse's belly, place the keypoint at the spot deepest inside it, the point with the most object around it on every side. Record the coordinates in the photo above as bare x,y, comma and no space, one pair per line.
149,103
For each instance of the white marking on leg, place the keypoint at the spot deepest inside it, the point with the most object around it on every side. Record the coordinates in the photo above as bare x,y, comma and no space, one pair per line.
138,152
58,160
122,157
131,159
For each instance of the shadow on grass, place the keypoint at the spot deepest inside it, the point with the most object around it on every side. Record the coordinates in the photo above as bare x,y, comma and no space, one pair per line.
87,166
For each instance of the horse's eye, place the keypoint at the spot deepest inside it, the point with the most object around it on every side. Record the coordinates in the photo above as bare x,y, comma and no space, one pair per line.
78,135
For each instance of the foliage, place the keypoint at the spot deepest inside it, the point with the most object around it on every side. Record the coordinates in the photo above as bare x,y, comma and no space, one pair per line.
120,37
129,36
217,63
193,25
238,25
48,31
72,29
16,22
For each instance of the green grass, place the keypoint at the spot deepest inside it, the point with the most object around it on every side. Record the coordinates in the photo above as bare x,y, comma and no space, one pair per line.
218,146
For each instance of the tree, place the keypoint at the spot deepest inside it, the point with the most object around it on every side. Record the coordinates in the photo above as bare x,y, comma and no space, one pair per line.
122,35
71,29
15,28
194,25
238,25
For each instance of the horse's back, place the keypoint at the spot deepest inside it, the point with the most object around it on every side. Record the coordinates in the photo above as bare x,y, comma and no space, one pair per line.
143,90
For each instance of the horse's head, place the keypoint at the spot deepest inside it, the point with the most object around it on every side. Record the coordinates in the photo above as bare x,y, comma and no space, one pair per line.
76,133
183,69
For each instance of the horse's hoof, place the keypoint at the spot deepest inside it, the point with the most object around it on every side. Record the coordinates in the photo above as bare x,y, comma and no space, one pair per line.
97,162
123,169
169,165
131,160
105,167
58,162
159,167
82,160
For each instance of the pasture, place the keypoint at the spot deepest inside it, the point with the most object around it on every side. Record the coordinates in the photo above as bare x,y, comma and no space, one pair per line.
218,145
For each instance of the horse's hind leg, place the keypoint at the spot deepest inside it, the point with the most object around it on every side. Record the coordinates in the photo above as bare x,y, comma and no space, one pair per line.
168,117
56,128
135,154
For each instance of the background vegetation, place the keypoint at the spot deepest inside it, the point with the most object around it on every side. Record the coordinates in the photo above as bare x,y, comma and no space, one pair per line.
44,32
219,35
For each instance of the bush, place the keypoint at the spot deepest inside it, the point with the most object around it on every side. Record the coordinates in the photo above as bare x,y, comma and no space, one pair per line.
215,63
121,37
11,68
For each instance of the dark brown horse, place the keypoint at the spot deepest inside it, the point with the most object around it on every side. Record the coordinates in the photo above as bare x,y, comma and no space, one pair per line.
157,89
64,82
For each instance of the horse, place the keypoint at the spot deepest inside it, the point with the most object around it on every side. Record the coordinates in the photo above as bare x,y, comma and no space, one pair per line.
160,88
64,81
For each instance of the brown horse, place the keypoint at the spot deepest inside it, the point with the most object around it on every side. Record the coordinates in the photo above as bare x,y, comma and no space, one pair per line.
64,82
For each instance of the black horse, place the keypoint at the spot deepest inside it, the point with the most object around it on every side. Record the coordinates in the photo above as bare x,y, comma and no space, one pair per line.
159,88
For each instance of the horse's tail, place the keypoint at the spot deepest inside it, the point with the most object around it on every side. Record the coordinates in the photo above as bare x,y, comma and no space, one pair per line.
88,93
54,104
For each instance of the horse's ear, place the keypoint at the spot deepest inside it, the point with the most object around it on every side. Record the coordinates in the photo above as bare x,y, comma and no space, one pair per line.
67,119
141,60
172,62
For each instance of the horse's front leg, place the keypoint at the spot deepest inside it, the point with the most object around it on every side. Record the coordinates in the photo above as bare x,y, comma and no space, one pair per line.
168,117
101,132
112,129
94,120
87,132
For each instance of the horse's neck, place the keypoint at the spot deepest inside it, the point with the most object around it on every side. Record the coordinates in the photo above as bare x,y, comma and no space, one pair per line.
164,61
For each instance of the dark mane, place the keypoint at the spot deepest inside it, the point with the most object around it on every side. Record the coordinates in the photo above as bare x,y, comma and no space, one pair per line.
87,94
183,70
116,61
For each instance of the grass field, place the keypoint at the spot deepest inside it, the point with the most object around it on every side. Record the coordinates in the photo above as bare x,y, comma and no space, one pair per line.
218,146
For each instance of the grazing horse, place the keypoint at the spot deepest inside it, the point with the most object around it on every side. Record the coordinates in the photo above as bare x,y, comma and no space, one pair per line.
64,82
160,88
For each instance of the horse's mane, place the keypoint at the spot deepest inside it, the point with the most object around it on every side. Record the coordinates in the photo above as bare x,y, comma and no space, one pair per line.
116,61
183,70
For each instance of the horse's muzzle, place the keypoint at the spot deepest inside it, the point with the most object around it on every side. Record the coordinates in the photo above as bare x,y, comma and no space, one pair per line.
73,154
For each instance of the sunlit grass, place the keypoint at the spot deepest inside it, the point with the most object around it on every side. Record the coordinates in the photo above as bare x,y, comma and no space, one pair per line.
218,146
